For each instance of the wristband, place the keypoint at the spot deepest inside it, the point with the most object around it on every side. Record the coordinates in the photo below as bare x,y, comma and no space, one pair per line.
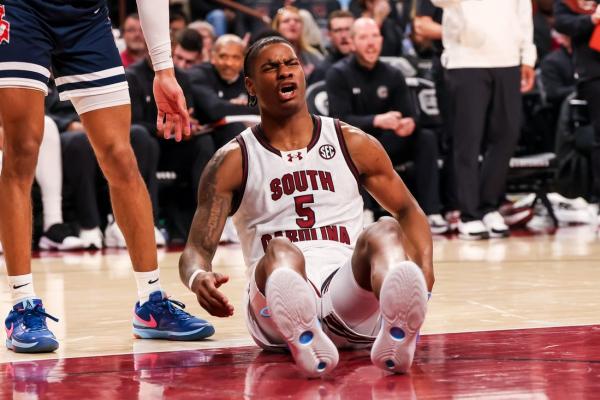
192,277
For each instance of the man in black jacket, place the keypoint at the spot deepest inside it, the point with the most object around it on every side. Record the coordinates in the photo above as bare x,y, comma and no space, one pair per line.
373,96
558,72
219,91
188,157
587,67
338,27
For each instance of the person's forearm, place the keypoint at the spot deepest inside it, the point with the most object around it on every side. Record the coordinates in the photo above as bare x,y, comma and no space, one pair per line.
154,18
417,241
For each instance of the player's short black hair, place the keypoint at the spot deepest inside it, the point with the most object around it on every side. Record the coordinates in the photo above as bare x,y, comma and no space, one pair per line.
256,47
190,40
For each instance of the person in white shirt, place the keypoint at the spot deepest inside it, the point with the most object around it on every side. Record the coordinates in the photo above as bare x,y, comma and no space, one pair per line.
489,56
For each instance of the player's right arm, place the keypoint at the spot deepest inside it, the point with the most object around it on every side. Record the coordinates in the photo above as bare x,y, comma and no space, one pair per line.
221,178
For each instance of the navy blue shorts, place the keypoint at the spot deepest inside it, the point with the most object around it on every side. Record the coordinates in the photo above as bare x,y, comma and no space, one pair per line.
69,39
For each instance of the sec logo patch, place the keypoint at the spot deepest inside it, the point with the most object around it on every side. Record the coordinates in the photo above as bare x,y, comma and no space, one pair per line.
327,151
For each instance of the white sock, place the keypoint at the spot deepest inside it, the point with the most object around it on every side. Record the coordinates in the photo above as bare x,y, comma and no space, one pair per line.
21,288
147,282
49,167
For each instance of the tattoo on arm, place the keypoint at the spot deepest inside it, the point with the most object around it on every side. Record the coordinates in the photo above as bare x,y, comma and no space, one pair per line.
209,219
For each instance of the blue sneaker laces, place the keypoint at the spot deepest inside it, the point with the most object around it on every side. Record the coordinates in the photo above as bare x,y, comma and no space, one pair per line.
176,311
32,316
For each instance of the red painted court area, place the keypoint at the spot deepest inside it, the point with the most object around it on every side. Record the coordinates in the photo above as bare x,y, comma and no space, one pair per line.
553,363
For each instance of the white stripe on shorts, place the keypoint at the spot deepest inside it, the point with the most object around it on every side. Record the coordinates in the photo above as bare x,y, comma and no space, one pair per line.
23,66
92,91
23,83
93,76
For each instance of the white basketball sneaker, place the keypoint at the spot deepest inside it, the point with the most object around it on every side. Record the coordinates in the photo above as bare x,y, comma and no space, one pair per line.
293,308
403,304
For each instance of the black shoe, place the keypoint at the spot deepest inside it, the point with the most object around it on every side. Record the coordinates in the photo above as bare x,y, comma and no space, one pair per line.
60,237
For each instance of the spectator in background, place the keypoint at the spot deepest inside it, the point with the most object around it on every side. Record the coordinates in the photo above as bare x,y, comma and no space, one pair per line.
188,49
383,13
587,67
289,24
489,57
177,22
135,46
427,31
211,12
373,96
186,158
207,32
338,28
558,72
219,90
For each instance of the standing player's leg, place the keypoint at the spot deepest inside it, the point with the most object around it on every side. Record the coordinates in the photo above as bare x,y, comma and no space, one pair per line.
281,276
379,265
22,112
155,316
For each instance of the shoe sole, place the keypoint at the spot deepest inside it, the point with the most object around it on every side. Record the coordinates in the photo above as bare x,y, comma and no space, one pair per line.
403,304
495,235
113,244
196,334
479,236
44,345
48,244
294,312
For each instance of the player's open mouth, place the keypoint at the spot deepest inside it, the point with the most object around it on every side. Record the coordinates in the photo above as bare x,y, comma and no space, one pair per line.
287,91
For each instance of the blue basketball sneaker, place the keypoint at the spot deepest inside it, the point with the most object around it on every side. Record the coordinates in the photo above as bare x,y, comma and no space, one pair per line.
163,318
26,330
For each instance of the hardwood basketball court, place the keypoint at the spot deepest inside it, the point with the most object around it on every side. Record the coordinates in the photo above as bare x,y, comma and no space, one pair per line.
497,294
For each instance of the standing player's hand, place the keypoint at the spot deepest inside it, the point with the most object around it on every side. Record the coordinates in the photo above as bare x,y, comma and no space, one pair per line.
527,78
172,116
205,286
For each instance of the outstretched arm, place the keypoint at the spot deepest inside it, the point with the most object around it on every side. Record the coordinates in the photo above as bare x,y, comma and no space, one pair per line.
385,185
172,110
220,179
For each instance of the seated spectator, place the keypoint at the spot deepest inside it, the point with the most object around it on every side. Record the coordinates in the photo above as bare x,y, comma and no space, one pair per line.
177,22
188,49
83,180
558,72
48,173
373,96
338,28
186,158
382,11
219,90
289,24
208,37
135,46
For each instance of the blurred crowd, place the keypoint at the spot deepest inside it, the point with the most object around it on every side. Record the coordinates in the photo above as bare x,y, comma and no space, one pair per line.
453,89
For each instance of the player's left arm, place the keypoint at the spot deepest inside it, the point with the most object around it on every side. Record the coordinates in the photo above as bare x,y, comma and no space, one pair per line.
173,114
378,176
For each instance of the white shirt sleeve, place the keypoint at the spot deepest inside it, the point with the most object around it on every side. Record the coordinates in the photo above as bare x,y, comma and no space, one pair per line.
154,18
528,50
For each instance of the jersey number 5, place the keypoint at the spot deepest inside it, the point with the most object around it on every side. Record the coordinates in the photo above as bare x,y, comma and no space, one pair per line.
307,214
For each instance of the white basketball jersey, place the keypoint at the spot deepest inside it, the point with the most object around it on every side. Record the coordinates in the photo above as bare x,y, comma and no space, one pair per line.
309,195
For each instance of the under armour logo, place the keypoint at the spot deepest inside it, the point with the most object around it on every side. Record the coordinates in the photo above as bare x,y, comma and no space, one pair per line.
4,27
292,156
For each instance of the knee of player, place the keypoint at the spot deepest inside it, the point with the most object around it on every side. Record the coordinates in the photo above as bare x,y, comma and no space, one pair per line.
386,229
20,156
282,248
118,162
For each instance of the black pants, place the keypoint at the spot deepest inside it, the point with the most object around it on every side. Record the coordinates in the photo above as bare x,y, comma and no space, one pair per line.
422,148
590,91
83,181
485,118
187,158
448,186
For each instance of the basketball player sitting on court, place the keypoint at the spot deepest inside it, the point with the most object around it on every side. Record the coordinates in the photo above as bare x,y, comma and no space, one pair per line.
318,279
